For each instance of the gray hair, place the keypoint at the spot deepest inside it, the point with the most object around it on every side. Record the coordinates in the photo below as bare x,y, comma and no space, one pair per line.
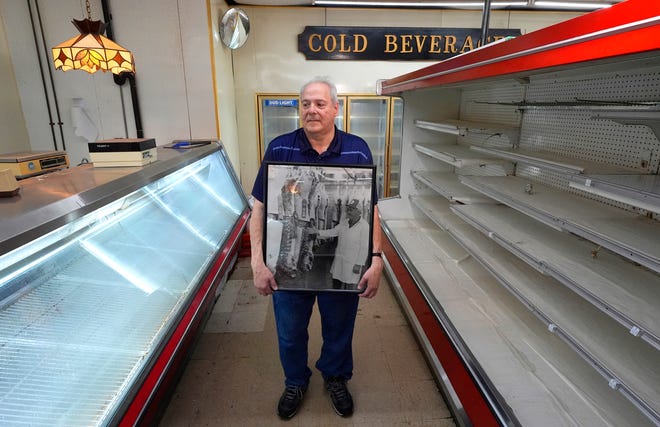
326,81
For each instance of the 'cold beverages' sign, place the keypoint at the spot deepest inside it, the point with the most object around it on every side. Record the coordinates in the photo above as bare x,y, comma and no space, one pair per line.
401,44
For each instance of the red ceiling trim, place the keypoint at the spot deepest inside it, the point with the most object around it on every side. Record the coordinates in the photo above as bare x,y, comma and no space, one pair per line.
623,29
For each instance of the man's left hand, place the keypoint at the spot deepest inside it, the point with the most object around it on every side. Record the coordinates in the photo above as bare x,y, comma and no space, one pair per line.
371,278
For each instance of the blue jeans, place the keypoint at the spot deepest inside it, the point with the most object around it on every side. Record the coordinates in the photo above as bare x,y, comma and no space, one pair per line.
293,310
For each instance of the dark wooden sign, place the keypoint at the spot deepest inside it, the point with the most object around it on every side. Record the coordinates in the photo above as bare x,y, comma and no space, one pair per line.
392,44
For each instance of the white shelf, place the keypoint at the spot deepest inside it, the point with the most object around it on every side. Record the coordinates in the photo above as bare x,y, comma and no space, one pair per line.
448,186
639,116
434,244
626,233
642,191
438,211
458,155
622,359
463,127
448,126
553,161
626,292
541,378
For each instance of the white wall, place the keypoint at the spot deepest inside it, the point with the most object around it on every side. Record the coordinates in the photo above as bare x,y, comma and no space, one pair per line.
270,61
170,40
189,84
14,133
224,90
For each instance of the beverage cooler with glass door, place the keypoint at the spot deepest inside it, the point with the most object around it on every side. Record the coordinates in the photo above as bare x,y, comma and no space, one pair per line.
277,115
377,119
280,114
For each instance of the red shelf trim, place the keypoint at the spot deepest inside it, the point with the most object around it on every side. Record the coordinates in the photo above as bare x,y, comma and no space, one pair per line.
142,410
474,404
627,28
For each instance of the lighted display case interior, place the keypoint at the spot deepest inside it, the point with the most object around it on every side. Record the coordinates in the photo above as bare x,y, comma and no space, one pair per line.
84,309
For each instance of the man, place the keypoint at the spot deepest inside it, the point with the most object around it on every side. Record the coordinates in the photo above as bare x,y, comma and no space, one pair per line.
352,247
318,141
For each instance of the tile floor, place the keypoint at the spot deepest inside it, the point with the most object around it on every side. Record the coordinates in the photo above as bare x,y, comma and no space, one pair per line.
234,376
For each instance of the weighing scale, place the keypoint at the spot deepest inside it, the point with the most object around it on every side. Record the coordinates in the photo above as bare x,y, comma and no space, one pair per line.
29,163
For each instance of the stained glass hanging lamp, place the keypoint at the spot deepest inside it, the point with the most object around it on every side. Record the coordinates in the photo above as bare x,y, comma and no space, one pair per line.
90,51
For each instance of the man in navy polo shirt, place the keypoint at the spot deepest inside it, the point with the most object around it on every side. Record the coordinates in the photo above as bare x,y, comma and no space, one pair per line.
318,141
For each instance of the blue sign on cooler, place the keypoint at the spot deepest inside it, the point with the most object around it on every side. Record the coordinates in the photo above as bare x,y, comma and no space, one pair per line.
281,103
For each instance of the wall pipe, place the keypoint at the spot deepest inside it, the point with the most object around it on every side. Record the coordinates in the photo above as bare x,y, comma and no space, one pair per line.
485,22
50,74
121,78
43,77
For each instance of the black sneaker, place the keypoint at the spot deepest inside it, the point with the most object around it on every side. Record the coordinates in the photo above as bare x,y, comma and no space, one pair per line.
290,401
342,400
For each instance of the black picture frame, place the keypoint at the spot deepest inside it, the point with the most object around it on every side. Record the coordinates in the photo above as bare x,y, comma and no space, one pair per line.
318,224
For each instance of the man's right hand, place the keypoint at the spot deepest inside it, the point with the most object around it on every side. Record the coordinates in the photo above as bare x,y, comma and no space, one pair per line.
264,280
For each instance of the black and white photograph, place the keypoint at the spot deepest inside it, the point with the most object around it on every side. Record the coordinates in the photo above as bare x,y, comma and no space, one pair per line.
319,225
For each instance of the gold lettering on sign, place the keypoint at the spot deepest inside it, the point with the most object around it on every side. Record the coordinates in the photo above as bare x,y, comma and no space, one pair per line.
416,43
468,44
395,44
330,43
450,44
435,44
405,43
391,45
420,41
356,40
342,44
310,43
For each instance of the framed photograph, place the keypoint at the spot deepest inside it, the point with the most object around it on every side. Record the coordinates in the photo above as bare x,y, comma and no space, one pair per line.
318,225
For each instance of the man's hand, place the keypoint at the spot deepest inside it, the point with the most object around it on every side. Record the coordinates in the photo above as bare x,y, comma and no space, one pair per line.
263,278
371,278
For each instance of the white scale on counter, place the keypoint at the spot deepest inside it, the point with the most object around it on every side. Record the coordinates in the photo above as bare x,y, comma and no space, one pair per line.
29,163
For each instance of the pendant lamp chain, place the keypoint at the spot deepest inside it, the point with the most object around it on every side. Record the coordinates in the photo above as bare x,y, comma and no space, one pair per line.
89,10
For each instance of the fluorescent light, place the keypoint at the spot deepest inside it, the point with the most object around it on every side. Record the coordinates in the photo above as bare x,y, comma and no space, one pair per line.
478,4
571,5
531,4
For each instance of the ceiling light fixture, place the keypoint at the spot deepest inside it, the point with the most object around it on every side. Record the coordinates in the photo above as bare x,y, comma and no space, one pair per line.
90,51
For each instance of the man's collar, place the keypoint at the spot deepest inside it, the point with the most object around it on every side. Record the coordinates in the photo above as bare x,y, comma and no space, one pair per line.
335,145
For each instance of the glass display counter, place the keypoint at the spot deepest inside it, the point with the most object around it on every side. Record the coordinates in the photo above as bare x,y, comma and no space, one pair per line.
104,274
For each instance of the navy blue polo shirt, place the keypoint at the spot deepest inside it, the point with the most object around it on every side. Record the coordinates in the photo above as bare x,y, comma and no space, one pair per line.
345,149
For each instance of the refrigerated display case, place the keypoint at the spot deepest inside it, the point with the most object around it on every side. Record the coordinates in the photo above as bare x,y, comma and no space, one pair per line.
106,277
524,243
377,119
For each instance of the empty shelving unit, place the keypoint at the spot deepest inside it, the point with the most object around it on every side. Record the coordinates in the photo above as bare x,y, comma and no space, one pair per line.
525,239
